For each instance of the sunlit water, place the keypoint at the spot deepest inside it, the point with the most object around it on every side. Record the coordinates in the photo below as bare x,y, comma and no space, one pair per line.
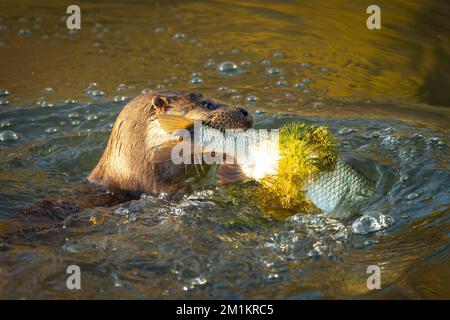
384,95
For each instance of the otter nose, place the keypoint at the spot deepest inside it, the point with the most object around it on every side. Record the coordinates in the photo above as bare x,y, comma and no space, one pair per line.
248,119
243,111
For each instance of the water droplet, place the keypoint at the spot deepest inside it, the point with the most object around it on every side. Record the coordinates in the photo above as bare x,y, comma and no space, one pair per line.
4,102
4,93
278,55
368,243
95,93
299,85
280,83
265,62
120,98
122,211
46,104
252,98
5,124
8,135
305,65
179,36
92,117
370,222
48,90
196,80
245,63
24,32
273,71
259,111
228,67
51,130
158,30
412,195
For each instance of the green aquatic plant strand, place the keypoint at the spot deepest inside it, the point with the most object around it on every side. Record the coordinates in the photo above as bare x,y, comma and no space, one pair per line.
305,150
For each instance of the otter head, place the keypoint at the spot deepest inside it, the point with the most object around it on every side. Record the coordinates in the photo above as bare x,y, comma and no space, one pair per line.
198,107
127,163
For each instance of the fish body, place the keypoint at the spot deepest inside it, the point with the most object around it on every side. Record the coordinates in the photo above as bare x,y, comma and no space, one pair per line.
255,151
255,154
341,191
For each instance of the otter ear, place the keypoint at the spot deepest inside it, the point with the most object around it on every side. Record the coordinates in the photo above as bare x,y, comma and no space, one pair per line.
159,103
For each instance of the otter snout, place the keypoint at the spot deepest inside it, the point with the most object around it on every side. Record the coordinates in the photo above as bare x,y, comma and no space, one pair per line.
230,118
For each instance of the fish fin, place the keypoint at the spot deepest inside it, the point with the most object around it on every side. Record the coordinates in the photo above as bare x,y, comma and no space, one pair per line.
171,122
163,153
230,173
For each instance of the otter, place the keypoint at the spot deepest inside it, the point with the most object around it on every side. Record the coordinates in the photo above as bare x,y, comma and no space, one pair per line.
130,160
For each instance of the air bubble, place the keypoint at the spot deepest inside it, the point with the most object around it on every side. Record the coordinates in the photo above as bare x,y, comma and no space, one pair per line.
273,71
8,135
280,83
51,130
371,222
305,65
196,80
179,36
278,55
48,90
24,32
228,67
95,93
412,195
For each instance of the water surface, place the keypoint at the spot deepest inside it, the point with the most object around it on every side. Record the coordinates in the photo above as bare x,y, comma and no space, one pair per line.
383,93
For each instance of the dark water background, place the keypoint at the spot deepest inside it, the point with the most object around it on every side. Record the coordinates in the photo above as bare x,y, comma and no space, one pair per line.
384,93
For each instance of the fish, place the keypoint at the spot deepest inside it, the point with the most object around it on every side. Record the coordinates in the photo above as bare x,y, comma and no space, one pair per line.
341,192
255,155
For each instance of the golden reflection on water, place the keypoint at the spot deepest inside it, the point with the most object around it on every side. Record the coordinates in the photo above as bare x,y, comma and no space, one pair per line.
407,60
400,71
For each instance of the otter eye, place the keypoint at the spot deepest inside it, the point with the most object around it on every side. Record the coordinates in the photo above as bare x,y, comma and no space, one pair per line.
210,106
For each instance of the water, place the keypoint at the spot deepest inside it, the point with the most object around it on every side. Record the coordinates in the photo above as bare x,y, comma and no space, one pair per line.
384,94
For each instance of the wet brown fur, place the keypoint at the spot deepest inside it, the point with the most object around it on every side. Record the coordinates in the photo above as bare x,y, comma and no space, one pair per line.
128,162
